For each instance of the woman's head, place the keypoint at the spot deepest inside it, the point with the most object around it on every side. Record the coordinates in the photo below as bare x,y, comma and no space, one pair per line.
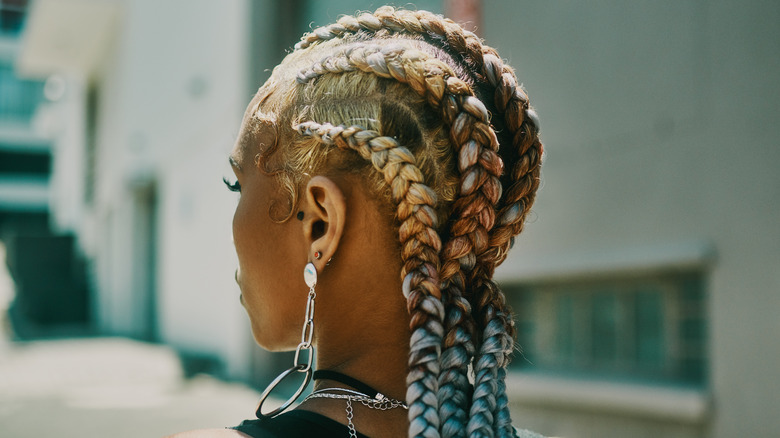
432,126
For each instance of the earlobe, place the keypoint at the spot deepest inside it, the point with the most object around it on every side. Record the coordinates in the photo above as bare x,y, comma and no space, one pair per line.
324,209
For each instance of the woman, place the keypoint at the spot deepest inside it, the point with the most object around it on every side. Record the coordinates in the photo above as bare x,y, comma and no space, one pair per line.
393,158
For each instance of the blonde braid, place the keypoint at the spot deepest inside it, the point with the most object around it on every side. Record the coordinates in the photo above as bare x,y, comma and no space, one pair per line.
480,167
510,100
467,45
421,246
524,160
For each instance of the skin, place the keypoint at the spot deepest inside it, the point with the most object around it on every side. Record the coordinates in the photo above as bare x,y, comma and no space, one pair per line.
361,321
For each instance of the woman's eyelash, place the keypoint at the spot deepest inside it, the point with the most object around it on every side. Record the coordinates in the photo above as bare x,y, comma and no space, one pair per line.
233,187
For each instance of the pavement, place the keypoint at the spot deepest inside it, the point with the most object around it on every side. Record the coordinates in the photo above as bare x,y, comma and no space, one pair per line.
109,387
106,387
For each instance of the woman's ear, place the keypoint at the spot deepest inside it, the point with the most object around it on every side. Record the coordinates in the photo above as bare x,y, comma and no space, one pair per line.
324,209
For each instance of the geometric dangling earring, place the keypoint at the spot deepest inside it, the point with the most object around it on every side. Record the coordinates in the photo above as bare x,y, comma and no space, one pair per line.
307,333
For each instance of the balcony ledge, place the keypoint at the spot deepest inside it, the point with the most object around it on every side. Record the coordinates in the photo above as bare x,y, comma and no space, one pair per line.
66,36
664,403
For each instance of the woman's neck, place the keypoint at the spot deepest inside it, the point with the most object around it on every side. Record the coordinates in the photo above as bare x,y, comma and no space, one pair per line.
379,361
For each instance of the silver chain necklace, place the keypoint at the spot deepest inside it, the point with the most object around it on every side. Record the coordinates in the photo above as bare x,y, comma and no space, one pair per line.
380,402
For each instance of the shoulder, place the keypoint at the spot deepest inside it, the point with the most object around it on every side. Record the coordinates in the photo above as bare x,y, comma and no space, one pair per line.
522,433
209,433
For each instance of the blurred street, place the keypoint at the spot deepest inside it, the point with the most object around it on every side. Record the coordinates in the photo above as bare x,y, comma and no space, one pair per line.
100,387
114,387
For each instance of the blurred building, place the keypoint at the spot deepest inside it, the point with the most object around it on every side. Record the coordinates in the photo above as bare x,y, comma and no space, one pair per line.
48,271
645,285
149,98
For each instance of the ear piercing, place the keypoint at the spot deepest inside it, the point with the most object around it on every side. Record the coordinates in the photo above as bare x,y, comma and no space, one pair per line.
317,255
299,215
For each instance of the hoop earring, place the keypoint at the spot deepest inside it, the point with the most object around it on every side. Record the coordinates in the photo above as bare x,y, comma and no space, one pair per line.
307,333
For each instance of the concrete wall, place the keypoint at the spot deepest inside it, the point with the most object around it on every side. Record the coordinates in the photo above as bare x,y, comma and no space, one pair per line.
171,87
659,130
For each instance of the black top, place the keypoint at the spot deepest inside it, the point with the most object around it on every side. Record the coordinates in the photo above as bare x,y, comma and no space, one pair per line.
294,424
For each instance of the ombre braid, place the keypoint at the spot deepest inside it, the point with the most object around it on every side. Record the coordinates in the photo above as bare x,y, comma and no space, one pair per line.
510,101
503,421
420,253
480,167
524,157
452,238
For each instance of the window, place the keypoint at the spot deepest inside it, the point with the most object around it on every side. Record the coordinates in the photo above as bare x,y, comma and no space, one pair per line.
12,16
646,328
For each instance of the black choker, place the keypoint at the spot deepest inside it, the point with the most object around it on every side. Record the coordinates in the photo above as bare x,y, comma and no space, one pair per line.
345,379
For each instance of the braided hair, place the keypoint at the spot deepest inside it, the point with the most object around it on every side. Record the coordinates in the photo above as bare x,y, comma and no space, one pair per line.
405,99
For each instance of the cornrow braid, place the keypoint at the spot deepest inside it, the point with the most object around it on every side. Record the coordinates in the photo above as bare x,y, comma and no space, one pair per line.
523,158
510,101
480,167
523,180
458,351
421,246
474,213
386,18
488,389
503,421
456,41
523,124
